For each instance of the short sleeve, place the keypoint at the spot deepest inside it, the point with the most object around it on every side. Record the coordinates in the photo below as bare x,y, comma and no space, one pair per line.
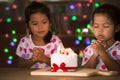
55,43
23,49
116,51
87,53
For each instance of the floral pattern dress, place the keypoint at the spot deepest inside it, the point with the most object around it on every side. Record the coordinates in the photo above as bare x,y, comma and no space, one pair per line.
26,45
113,52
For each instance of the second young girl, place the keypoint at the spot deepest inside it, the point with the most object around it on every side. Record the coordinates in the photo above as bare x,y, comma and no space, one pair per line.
104,52
35,49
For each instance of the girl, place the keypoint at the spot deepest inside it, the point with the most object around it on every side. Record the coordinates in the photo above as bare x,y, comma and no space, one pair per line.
104,52
35,49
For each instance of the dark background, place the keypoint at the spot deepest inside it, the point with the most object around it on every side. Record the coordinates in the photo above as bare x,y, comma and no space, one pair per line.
59,9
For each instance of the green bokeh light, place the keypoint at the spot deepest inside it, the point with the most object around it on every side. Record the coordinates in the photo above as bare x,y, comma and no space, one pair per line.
92,40
6,50
8,20
92,31
88,25
96,4
13,32
78,30
15,39
74,18
10,57
80,38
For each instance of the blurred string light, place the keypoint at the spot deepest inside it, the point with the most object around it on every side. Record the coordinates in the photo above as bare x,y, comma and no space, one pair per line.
92,31
78,30
1,20
8,20
80,38
96,4
72,6
90,1
13,32
12,44
88,4
85,30
9,61
84,16
65,17
68,31
14,40
77,42
88,41
6,50
74,18
10,57
7,8
81,54
19,18
88,25
14,6
92,40
6,35
79,4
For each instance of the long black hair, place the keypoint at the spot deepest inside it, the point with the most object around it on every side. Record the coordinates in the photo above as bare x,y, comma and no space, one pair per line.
113,12
36,7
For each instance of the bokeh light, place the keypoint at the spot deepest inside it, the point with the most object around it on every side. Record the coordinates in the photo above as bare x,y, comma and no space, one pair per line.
13,32
8,20
74,18
96,5
65,17
14,6
78,30
79,4
6,35
72,7
81,54
68,31
15,39
10,57
77,42
9,61
6,50
12,44
80,38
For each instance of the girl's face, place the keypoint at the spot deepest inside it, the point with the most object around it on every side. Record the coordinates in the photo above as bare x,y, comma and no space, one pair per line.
39,25
103,27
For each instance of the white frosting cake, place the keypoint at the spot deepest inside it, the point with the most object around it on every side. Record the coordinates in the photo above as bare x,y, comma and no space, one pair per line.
64,60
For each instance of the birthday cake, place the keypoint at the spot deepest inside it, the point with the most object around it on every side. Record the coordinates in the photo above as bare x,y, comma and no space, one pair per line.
64,60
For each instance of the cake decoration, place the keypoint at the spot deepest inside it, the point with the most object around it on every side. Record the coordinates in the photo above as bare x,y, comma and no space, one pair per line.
65,59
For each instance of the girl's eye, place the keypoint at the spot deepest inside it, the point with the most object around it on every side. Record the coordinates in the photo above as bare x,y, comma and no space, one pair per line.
95,25
44,22
34,24
106,25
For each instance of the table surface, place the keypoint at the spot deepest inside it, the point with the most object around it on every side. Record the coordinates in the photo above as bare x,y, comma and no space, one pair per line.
24,74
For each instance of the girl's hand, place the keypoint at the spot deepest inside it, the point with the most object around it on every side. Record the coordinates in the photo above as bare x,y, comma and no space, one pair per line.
38,54
98,47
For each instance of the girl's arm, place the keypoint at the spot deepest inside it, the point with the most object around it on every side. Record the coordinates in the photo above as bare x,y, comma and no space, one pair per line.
25,63
99,47
92,62
109,62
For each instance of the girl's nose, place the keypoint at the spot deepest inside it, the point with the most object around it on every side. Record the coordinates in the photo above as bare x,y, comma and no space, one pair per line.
100,30
40,26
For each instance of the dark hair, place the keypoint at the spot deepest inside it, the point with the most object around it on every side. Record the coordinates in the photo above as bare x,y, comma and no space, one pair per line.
36,7
113,13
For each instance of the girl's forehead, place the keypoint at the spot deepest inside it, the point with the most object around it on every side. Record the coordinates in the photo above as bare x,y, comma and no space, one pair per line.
102,18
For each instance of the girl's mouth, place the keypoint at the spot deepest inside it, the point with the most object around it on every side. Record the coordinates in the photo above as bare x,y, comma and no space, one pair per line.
100,37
